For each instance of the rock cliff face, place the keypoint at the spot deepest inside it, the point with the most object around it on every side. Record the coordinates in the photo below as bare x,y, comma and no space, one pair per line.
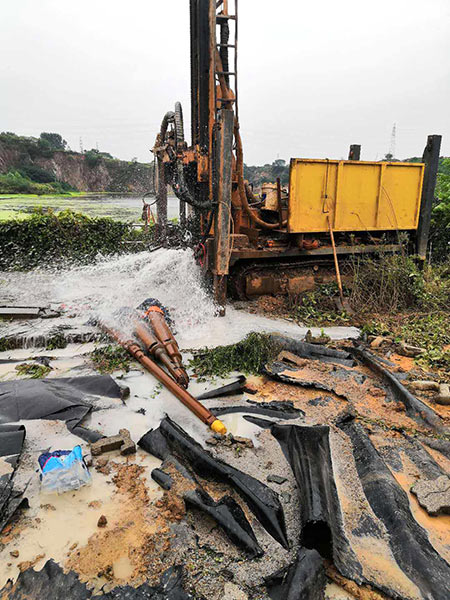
108,175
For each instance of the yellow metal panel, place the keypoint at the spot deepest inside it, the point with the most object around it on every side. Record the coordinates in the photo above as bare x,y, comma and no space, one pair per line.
358,196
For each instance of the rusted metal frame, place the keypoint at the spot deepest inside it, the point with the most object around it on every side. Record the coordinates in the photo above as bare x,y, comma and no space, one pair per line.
236,104
380,192
354,152
275,253
212,104
431,160
222,238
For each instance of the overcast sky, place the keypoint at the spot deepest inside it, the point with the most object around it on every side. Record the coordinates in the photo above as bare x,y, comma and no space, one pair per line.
314,76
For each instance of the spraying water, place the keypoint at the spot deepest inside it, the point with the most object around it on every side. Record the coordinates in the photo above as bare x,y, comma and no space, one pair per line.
100,290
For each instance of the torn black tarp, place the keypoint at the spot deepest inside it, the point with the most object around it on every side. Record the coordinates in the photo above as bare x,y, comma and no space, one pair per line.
308,451
415,408
231,389
169,438
52,583
226,512
11,443
286,373
280,410
230,516
409,542
60,399
305,579
313,351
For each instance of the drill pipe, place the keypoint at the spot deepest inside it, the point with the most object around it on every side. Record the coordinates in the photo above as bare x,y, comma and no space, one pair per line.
200,411
157,349
155,316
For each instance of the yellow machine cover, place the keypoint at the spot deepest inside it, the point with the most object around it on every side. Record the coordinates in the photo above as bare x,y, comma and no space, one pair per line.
356,195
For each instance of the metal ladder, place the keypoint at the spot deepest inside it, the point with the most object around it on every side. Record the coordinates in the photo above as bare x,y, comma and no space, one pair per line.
223,19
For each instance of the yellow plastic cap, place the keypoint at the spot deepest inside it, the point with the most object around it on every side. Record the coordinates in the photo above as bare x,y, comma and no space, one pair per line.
218,427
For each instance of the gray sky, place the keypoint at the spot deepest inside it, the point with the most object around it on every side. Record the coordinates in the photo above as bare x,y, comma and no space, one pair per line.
313,76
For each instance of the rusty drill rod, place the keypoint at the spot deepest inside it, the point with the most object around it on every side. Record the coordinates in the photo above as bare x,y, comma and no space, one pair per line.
156,348
200,411
155,317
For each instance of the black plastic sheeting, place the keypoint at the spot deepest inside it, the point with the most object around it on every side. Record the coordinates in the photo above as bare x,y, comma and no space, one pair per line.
12,438
231,389
226,512
280,410
61,399
313,351
169,439
415,408
308,451
51,583
408,540
230,516
162,478
305,579
279,371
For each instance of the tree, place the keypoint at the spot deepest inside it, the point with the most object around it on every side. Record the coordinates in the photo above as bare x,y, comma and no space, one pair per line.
54,139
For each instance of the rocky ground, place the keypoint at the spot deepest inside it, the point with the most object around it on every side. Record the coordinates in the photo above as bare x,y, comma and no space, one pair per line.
125,529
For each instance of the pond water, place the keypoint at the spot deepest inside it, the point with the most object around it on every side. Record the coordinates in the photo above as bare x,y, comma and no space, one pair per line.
119,207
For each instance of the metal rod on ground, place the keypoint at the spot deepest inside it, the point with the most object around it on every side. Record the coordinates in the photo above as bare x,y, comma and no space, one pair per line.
200,411
336,263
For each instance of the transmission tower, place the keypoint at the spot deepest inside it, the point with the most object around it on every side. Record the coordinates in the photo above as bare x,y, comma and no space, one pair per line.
393,141
81,146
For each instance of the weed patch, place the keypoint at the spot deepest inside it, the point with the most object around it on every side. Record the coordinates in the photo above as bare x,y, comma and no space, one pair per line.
247,356
111,358
33,370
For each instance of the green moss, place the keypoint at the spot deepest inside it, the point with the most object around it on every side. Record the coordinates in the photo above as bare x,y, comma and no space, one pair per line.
7,344
247,356
33,370
55,342
110,358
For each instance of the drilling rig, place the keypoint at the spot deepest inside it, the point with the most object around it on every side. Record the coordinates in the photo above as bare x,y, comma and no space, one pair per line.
279,241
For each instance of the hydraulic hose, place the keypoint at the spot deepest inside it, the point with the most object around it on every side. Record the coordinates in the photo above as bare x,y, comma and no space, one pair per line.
168,118
182,192
241,185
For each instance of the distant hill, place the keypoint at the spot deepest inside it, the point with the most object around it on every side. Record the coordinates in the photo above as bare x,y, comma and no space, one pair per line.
44,165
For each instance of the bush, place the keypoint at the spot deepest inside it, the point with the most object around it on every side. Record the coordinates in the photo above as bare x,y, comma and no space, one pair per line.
92,158
392,283
14,182
36,173
48,238
54,140
440,220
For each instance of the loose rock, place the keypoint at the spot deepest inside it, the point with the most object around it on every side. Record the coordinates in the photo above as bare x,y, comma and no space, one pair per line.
433,495
276,479
444,394
102,521
425,385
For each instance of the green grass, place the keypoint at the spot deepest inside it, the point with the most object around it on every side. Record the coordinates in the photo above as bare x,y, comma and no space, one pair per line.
111,358
247,356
